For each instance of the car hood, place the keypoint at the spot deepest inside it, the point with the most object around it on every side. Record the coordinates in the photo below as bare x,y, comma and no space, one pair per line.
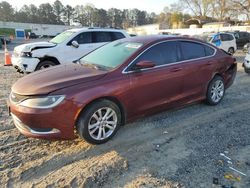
55,78
32,46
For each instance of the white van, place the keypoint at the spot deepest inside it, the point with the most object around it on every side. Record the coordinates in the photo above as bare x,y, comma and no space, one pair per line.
224,41
64,48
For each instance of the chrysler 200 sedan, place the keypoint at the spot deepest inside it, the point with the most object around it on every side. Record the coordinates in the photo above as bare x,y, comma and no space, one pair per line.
117,83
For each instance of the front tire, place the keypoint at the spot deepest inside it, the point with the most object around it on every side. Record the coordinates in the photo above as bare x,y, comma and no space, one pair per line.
99,122
45,64
247,70
215,91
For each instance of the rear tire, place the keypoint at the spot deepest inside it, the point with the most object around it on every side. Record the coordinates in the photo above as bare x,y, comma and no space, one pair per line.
99,122
215,91
45,64
231,50
247,70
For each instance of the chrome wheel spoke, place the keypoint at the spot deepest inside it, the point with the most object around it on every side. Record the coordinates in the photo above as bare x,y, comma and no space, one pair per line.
217,91
102,123
99,134
99,113
109,127
107,113
104,133
94,125
94,130
111,122
95,117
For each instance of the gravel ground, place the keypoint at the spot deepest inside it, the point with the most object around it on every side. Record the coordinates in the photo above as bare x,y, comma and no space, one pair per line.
178,148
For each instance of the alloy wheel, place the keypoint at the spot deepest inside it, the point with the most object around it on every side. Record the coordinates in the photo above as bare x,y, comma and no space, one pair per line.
102,123
217,91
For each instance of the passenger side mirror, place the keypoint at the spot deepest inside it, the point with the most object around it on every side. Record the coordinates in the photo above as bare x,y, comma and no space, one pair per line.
75,44
144,65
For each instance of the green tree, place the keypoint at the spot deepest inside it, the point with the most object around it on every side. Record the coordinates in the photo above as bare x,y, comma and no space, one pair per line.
46,14
100,18
58,10
6,11
115,18
68,13
200,8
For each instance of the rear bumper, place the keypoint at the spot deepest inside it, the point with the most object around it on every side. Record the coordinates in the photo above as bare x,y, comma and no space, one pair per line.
230,75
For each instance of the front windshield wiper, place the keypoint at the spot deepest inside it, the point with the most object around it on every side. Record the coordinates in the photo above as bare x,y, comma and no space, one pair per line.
95,66
102,67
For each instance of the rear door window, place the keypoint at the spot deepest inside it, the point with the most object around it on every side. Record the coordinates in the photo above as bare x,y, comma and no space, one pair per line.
226,37
161,54
192,50
101,36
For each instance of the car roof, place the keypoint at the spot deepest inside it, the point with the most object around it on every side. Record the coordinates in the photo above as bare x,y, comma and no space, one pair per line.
95,29
157,38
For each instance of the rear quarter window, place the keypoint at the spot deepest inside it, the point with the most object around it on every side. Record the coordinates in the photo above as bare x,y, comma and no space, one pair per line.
117,35
209,51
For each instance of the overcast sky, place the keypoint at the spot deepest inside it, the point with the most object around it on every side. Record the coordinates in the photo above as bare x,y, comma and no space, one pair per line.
148,5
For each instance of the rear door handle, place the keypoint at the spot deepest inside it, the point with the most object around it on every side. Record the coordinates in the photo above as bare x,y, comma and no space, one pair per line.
209,63
176,69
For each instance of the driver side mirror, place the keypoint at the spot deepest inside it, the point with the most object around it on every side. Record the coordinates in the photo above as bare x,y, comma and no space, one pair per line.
74,44
144,65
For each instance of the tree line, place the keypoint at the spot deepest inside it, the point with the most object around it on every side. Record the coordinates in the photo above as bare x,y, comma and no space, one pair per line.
89,15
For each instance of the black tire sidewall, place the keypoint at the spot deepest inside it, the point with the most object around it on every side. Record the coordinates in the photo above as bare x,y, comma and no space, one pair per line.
247,70
46,62
231,49
209,97
83,120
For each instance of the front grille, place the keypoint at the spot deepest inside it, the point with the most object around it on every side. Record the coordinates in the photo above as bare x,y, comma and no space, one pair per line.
16,98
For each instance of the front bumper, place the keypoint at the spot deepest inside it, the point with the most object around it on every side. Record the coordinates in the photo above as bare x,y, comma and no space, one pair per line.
55,123
246,63
25,64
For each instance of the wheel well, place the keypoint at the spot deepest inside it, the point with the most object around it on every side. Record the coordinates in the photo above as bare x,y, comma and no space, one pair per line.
55,60
216,74
112,99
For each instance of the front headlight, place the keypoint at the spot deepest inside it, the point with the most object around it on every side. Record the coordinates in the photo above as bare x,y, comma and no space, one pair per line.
42,102
25,54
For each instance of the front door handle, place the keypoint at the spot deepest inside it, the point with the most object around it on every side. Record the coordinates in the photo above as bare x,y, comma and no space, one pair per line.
176,69
209,63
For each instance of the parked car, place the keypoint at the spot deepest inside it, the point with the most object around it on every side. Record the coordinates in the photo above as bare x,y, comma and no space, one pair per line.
246,63
242,38
4,39
32,35
64,48
224,41
117,83
246,47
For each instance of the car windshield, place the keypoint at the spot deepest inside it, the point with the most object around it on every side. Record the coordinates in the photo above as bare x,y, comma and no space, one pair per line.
62,37
111,55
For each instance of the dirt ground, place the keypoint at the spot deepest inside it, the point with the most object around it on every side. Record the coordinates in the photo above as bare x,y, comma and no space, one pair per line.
178,148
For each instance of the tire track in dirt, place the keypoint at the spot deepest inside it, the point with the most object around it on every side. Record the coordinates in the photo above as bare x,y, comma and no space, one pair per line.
59,161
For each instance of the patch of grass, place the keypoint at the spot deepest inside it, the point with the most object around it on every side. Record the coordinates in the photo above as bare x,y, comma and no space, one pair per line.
11,31
7,31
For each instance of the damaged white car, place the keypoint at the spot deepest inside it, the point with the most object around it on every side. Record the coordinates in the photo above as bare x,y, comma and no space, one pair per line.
66,47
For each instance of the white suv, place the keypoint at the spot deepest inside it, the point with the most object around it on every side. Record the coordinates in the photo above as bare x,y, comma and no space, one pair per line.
224,41
64,48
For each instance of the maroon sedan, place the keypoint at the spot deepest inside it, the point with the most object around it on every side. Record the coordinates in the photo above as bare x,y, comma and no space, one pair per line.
117,83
